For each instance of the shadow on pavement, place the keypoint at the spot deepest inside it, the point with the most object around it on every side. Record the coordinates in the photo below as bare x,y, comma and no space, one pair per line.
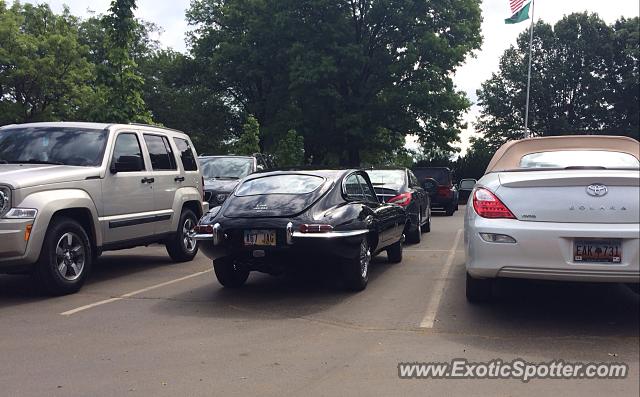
269,297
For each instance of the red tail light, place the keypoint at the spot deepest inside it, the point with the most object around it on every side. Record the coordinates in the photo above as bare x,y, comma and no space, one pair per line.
487,205
402,200
305,228
444,191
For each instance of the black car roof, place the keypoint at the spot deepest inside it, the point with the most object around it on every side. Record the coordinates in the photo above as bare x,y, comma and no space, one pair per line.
323,172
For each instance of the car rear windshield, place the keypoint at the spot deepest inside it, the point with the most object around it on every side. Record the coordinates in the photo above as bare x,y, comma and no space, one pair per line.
280,184
53,145
226,167
579,158
441,175
387,177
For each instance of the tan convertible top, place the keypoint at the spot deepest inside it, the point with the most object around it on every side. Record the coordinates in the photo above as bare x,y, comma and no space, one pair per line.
509,155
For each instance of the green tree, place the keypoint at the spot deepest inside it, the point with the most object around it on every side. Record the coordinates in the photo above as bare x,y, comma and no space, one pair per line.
44,73
290,150
119,84
353,77
249,141
584,81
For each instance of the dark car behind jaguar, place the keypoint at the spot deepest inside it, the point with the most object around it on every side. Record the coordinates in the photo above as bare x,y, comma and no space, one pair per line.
222,173
279,220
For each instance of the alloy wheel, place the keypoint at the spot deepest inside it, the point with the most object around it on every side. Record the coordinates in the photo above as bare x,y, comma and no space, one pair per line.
70,256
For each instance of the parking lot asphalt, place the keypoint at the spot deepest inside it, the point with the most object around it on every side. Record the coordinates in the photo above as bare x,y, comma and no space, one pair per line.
143,325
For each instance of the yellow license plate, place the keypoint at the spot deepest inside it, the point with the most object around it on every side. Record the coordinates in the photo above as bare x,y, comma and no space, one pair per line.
259,237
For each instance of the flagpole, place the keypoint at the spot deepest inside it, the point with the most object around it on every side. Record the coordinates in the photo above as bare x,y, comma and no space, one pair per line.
526,113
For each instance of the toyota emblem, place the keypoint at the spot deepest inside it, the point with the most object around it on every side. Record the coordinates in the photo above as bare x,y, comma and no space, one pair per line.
597,190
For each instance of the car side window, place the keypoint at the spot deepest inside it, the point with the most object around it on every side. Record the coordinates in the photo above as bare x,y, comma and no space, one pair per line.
127,150
413,181
366,189
162,158
186,155
352,188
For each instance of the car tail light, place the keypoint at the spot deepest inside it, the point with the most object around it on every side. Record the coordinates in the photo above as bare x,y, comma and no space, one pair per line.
402,200
487,205
306,228
444,191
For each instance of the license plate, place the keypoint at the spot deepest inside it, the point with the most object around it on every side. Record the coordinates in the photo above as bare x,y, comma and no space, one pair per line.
260,237
597,250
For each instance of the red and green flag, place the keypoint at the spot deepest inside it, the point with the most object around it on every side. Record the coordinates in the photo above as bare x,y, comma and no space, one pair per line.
520,11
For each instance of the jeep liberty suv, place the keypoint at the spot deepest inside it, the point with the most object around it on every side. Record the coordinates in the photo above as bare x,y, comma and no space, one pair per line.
69,191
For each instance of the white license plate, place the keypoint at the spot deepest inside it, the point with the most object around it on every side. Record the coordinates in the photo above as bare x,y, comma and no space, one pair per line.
259,237
597,250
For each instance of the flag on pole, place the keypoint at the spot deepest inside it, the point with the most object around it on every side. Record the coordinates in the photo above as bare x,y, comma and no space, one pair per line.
520,11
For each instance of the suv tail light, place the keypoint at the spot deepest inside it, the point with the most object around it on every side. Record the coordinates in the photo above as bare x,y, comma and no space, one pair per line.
305,228
402,200
487,205
444,191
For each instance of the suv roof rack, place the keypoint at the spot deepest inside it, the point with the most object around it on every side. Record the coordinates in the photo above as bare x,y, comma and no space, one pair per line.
156,126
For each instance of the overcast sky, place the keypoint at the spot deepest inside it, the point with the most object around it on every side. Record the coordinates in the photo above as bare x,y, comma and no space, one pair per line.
169,15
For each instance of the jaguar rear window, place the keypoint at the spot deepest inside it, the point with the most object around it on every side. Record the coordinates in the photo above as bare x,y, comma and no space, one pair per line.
280,184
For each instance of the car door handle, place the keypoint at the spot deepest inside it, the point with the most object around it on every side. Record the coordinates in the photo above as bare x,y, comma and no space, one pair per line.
179,179
148,180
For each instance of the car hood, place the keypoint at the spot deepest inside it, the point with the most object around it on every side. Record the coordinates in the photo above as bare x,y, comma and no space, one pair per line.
26,175
220,185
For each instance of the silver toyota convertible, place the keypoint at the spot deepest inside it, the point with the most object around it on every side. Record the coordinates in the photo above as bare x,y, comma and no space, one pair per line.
555,208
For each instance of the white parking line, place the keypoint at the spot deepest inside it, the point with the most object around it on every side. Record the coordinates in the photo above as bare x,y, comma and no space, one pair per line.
430,316
130,294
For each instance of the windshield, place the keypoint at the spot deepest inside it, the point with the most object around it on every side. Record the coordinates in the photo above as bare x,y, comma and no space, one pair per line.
226,167
53,145
280,184
441,175
579,158
387,177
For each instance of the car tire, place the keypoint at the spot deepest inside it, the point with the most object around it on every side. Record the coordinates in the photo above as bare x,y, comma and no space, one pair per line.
451,208
66,258
479,289
394,252
426,228
230,273
414,236
180,247
357,269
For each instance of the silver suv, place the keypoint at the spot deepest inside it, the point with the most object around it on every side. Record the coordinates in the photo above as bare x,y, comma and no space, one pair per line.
69,191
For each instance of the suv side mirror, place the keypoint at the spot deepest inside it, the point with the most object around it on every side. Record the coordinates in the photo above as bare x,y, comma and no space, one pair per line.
126,164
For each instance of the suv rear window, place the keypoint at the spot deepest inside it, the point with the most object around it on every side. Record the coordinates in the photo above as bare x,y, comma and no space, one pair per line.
441,175
579,158
280,184
186,155
160,152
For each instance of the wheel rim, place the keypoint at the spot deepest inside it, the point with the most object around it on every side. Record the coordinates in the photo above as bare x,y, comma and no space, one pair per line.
365,258
70,256
188,242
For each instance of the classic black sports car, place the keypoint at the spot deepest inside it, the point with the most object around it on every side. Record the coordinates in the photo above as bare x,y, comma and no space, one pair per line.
282,219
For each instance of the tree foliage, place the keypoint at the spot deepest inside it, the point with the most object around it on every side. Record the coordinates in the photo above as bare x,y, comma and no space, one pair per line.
584,81
44,73
290,150
351,76
249,141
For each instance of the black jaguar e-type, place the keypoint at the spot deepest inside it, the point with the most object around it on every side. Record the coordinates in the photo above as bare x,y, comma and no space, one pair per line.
280,219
